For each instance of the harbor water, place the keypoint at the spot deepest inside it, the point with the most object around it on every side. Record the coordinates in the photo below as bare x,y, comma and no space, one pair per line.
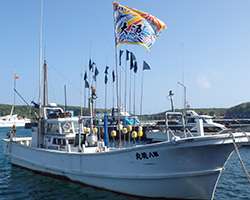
17,183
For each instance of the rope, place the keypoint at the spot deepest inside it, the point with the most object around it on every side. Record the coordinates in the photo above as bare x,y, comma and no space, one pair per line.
241,162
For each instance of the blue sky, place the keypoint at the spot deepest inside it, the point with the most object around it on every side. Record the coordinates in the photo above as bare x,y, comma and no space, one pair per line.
206,43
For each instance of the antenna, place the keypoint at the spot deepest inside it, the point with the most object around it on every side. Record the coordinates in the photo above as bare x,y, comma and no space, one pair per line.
65,96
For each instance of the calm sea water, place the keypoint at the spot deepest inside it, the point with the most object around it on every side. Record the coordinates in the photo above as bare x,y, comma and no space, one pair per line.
16,183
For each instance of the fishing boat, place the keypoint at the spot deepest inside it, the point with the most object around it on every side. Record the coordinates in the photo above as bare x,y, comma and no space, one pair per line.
11,119
181,168
61,146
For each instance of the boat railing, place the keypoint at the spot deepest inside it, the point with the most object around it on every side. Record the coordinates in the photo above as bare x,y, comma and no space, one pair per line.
184,132
188,132
23,141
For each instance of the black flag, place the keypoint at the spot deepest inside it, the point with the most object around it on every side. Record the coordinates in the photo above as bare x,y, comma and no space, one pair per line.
96,73
106,70
86,84
85,76
113,75
135,67
90,65
106,79
120,57
145,66
127,55
132,59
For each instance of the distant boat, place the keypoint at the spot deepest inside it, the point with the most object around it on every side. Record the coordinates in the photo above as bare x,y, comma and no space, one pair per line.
11,119
176,122
208,123
157,132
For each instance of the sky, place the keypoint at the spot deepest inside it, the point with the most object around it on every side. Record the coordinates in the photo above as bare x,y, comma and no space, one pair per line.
206,47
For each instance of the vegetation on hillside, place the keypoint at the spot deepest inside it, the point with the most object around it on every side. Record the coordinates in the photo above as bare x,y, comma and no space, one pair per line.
29,111
243,108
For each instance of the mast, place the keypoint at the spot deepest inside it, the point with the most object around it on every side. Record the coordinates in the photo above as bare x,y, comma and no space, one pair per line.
44,83
40,79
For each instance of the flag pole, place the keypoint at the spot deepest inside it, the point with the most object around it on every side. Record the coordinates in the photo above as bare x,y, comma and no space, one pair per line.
134,97
141,92
125,84
117,86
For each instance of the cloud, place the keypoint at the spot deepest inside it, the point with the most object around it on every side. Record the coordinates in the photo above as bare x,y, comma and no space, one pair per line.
203,81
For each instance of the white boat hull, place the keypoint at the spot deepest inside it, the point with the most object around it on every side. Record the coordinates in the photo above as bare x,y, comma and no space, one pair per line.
181,170
18,123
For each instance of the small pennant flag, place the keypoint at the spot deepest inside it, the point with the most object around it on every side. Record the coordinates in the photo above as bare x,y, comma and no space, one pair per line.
106,79
15,76
85,76
93,64
96,73
132,59
106,70
145,66
90,65
86,84
135,67
120,57
113,75
127,55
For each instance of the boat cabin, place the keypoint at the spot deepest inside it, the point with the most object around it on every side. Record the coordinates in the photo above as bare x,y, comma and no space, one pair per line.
61,133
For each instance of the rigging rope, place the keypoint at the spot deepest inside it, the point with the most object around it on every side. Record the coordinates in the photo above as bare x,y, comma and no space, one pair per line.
241,162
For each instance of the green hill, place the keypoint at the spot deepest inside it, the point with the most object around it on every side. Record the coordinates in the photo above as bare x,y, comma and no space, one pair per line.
28,111
243,108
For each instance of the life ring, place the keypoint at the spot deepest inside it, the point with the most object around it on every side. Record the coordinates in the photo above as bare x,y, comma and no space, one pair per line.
66,127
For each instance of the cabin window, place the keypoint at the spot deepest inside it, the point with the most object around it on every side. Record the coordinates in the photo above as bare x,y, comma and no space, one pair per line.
191,120
76,127
59,141
66,127
53,128
71,141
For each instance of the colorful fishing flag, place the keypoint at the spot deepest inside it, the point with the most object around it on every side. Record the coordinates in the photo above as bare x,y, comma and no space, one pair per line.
136,27
15,76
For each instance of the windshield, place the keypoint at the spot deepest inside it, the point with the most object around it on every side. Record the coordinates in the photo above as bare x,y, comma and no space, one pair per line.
53,128
207,120
76,127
